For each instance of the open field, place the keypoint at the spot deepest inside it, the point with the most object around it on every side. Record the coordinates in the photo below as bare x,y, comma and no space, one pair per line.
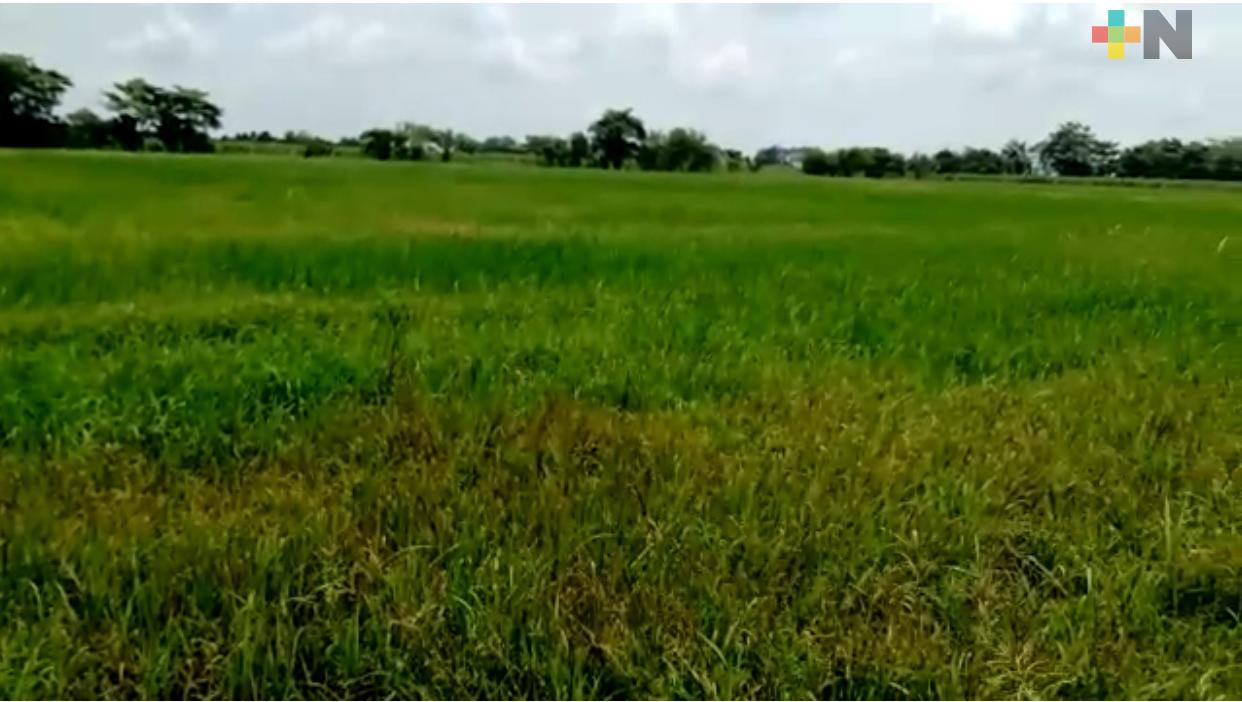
275,427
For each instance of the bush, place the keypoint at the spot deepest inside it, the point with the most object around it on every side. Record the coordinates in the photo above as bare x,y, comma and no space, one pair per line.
317,148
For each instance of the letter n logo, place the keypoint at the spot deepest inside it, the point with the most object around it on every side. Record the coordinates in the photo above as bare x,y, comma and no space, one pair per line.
1156,29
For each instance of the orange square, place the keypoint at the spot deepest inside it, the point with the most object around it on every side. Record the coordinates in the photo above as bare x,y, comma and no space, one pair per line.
1134,35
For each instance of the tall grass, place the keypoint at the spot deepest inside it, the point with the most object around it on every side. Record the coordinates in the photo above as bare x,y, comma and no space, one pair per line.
281,428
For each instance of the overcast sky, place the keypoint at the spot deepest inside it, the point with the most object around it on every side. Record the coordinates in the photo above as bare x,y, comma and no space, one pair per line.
910,77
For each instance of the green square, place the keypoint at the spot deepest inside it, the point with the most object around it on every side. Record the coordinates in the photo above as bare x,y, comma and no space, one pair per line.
1116,35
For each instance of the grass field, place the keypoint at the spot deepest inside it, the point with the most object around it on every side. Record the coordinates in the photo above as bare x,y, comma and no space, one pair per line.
334,428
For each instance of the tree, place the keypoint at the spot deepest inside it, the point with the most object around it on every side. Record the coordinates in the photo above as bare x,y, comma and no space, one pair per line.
616,136
1226,158
579,150
445,140
678,150
1016,157
87,130
1161,158
138,102
28,96
499,144
317,147
1196,161
465,144
651,153
689,150
405,143
415,140
920,165
878,162
854,160
983,161
1072,149
947,162
769,156
735,160
818,162
551,150
379,144
179,118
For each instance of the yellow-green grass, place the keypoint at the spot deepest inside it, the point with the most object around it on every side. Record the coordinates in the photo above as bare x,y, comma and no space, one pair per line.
336,428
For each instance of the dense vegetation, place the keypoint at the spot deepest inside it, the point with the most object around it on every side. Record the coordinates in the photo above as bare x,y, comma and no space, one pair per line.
334,428
151,118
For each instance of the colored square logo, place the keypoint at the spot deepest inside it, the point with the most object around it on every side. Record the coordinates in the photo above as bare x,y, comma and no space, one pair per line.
1116,34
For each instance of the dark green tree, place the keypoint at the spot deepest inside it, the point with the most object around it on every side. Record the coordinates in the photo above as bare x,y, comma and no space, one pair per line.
1072,149
87,130
854,160
920,165
1226,158
982,161
550,150
180,118
818,162
881,162
947,162
579,150
689,150
1016,157
500,145
465,143
616,137
28,96
378,143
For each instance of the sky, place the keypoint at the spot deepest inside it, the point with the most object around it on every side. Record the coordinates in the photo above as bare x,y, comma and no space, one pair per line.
911,77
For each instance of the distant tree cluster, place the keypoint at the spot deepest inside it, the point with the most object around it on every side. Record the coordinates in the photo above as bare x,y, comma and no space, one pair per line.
1072,149
410,141
618,139
148,117
144,116
878,162
1170,158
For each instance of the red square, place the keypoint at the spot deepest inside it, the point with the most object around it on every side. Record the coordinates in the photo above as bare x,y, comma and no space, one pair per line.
1099,35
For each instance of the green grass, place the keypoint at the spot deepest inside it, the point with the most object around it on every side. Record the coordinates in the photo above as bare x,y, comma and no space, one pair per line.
232,147
336,428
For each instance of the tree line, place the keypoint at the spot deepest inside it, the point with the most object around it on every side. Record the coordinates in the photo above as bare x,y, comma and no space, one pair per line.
148,117
144,116
618,139
1072,149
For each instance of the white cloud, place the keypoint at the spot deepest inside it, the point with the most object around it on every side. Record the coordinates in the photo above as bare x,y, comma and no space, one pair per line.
726,65
990,20
540,57
166,36
646,21
330,35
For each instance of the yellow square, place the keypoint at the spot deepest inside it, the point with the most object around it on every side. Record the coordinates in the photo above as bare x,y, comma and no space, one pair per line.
1116,51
